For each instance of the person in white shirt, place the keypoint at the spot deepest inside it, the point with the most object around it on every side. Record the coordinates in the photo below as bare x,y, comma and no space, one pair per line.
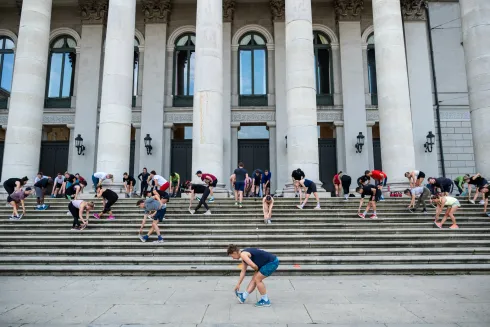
40,176
58,184
99,177
423,193
160,183
415,177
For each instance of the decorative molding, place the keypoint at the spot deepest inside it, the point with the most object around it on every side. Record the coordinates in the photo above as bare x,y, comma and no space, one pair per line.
64,31
228,10
177,33
136,117
253,28
458,114
178,117
157,11
277,10
141,39
9,34
48,119
329,115
253,116
365,35
348,9
94,11
414,9
329,32
372,115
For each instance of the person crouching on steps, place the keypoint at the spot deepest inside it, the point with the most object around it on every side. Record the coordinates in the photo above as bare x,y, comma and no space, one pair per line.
452,205
155,208
77,208
18,197
310,187
267,204
109,197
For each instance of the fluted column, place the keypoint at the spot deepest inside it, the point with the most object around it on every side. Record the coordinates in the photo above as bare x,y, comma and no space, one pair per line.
397,151
115,112
340,146
302,138
207,131
24,128
475,17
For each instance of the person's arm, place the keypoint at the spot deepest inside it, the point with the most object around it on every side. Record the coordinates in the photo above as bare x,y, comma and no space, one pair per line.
412,201
246,259
24,208
232,179
209,179
485,204
80,213
476,176
178,185
139,177
360,205
143,222
243,272
270,208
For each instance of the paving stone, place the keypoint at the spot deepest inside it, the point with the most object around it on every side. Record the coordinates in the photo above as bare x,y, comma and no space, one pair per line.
451,312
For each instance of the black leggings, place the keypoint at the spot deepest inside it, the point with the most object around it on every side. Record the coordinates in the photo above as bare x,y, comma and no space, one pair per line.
346,185
75,212
144,187
460,190
108,205
202,202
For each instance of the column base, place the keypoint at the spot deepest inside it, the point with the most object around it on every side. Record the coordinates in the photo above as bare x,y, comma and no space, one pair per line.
288,191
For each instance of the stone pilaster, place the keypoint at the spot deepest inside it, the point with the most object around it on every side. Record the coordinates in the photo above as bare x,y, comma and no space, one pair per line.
271,126
24,127
167,146
228,10
414,9
475,18
93,11
277,10
115,112
348,9
156,11
340,145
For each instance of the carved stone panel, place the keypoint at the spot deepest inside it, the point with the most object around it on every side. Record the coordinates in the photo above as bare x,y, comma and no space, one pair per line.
277,10
228,10
414,9
348,9
157,11
94,11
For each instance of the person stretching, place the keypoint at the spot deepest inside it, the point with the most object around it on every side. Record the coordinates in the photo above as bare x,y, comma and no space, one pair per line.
160,183
310,187
57,185
98,178
14,184
444,184
75,189
248,187
479,182
155,208
143,177
129,183
374,193
257,176
297,175
199,188
266,182
346,180
40,186
209,179
18,197
415,177
175,186
452,205
380,179
109,197
238,181
77,208
424,195
263,263
336,182
267,204
485,191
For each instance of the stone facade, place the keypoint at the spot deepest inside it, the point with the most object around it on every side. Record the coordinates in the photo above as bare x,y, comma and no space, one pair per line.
347,24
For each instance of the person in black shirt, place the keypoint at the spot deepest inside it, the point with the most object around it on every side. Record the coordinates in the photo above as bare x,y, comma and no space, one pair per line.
257,180
198,188
361,181
297,175
75,189
14,184
238,182
40,188
345,180
129,183
143,177
443,183
109,197
374,194
479,181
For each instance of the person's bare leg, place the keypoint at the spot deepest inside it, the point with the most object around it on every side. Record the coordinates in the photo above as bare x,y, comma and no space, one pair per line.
306,199
259,282
451,214
14,208
445,216
252,284
155,227
240,196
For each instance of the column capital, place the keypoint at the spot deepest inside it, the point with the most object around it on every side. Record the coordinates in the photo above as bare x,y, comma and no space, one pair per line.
414,9
235,125
338,123
349,10
157,11
70,126
93,11
168,125
277,10
370,123
228,10
271,124
137,125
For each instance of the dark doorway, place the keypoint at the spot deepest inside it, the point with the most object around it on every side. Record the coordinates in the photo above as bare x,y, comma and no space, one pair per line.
254,153
181,159
327,153
377,154
131,158
54,157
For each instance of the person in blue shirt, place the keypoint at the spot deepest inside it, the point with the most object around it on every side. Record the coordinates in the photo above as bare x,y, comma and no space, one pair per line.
310,187
266,182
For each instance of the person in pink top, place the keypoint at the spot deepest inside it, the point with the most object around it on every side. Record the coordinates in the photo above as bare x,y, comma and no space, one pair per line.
336,182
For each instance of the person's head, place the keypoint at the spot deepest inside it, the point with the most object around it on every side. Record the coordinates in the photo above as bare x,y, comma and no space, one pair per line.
141,203
367,173
145,170
431,180
241,165
466,178
233,251
153,173
90,205
148,194
110,176
77,175
83,183
199,173
125,175
297,183
40,174
60,175
50,181
67,174
407,192
24,180
172,174
266,172
187,185
407,174
268,198
339,173
257,172
483,189
359,190
27,191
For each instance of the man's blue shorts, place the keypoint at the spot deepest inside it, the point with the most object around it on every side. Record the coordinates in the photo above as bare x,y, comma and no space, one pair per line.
160,214
269,268
239,186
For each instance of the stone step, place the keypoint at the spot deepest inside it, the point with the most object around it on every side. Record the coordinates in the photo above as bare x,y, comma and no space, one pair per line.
213,270
224,260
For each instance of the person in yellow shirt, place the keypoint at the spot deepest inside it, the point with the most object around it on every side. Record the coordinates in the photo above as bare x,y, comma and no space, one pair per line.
452,205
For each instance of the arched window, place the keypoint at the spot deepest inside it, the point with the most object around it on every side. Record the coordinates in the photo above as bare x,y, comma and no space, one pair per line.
323,69
252,77
6,69
136,70
61,72
184,64
371,59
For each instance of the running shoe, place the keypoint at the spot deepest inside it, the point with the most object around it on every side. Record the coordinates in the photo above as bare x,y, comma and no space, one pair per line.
454,226
236,203
52,196
317,208
111,217
424,211
198,198
345,199
68,197
373,216
83,227
96,216
211,200
471,201
263,303
361,215
240,297
412,210
158,241
142,238
439,225
299,206
269,221
482,202
68,213
75,229
207,213
192,211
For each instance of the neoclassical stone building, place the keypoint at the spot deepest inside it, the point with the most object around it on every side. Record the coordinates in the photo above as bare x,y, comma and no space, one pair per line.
279,84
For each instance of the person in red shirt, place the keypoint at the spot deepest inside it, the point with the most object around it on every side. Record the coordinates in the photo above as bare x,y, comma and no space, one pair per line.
209,179
380,179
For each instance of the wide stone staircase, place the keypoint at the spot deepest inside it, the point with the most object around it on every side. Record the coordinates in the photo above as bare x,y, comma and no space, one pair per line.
308,242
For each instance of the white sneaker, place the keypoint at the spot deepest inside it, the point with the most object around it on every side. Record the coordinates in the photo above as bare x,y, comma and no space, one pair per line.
208,212
192,211
471,201
269,221
317,208
158,241
68,213
482,202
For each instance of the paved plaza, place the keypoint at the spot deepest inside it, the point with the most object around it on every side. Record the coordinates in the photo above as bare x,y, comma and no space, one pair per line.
365,301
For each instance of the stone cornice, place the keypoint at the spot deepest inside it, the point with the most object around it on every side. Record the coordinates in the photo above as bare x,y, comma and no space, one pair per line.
18,4
228,10
277,10
94,11
157,11
348,9
414,9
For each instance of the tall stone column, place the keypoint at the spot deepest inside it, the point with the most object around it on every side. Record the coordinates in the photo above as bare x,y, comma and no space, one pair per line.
475,17
235,127
152,111
207,131
72,156
340,145
302,138
272,153
94,16
281,173
137,149
349,16
369,144
25,119
115,111
395,119
167,146
420,82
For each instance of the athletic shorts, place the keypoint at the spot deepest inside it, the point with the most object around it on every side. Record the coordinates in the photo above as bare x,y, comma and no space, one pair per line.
174,184
421,175
165,186
39,192
447,187
239,186
269,268
160,214
456,204
9,199
311,188
214,183
58,185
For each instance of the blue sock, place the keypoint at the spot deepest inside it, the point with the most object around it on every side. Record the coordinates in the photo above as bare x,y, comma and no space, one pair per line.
374,211
245,294
365,213
145,237
265,297
160,237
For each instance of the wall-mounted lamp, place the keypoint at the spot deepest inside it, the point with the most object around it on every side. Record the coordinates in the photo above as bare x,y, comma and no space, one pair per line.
360,143
286,138
430,142
79,145
148,144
